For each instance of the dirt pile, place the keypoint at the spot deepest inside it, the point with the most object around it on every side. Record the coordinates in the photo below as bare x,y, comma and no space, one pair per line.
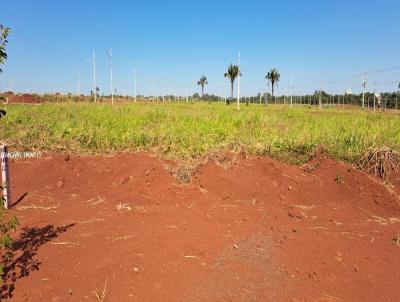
252,230
23,99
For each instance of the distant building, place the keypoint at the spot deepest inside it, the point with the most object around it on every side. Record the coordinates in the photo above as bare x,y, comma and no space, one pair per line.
348,91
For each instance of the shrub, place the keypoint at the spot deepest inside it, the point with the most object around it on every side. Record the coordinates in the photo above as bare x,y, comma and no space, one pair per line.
7,225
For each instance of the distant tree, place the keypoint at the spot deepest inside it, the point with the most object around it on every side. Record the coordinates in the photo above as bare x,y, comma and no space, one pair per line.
232,74
202,82
273,77
4,32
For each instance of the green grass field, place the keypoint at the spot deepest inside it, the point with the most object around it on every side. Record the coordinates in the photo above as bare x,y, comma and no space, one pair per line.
182,130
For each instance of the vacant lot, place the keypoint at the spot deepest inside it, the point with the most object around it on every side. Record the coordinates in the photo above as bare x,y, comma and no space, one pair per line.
194,129
243,227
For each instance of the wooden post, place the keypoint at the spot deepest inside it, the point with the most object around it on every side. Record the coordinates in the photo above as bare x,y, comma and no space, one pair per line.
5,177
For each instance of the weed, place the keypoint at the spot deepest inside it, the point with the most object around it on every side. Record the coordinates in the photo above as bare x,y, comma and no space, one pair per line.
396,239
339,179
101,296
6,226
183,174
380,162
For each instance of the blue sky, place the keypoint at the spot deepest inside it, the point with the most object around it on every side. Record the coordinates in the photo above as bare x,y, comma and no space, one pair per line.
178,41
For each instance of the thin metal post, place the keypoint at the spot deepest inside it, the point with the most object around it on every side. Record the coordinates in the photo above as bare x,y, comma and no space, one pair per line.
94,77
238,88
5,176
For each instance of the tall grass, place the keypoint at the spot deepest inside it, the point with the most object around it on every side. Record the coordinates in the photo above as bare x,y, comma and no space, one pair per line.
194,129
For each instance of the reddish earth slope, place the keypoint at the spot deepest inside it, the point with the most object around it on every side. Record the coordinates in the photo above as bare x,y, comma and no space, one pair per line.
257,231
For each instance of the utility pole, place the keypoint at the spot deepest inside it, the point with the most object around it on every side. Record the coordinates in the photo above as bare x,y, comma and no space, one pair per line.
238,88
225,91
364,84
94,77
163,91
154,78
10,84
291,91
374,96
79,93
187,96
344,95
135,84
111,76
320,99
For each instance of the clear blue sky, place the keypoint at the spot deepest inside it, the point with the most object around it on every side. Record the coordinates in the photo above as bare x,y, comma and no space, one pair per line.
179,41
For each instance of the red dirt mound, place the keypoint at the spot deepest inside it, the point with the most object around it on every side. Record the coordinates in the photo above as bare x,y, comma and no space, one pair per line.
23,99
256,231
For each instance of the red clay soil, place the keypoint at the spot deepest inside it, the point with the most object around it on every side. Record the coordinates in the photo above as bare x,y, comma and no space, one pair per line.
257,231
23,99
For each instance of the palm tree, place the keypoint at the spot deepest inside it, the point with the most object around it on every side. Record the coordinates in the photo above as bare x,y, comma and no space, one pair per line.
273,77
232,74
202,83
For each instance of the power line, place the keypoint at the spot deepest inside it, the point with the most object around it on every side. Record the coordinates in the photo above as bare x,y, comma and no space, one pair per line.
40,44
109,54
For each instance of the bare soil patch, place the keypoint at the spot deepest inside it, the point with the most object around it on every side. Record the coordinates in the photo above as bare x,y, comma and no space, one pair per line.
23,99
249,229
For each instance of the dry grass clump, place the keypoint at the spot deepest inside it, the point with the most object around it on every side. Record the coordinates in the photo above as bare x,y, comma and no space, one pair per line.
101,296
396,239
225,159
380,162
183,174
185,169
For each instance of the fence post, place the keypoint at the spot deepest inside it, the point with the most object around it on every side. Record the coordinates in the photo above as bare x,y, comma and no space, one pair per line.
5,177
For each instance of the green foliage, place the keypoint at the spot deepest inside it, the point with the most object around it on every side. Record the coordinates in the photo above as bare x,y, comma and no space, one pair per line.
232,74
4,32
273,77
6,226
195,129
202,82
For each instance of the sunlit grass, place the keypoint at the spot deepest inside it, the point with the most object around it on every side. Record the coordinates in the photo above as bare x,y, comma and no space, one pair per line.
195,129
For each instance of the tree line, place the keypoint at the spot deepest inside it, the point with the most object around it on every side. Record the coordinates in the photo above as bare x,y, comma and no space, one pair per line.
319,97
